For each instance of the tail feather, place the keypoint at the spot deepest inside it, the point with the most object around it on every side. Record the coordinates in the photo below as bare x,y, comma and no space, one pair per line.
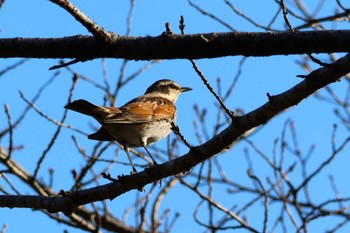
82,106
101,135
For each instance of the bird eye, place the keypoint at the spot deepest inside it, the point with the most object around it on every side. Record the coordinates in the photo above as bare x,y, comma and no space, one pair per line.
173,86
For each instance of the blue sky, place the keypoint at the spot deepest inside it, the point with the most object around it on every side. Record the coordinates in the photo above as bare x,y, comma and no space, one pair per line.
276,74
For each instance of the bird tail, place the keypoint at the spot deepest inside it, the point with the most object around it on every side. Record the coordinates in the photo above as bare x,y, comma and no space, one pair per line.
101,135
83,106
100,113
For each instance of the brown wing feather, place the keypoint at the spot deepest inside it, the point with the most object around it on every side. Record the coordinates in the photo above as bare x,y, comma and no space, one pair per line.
144,109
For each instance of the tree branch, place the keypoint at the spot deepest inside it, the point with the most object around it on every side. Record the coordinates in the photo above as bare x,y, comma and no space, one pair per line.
96,30
276,104
174,46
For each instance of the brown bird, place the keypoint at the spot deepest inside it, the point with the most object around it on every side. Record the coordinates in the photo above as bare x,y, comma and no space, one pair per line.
140,122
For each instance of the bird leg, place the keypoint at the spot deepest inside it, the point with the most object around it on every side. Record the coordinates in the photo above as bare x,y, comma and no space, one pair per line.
149,153
126,149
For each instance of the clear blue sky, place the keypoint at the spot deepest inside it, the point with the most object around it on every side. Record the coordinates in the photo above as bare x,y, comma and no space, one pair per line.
276,74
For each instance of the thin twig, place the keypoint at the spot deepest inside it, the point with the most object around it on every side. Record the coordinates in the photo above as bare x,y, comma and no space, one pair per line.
210,15
62,64
96,30
182,25
210,88
177,131
26,110
9,121
4,227
243,223
266,198
325,163
31,105
13,66
342,6
129,17
241,14
53,140
285,16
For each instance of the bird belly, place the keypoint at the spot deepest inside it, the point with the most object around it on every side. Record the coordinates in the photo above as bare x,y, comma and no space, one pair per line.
138,135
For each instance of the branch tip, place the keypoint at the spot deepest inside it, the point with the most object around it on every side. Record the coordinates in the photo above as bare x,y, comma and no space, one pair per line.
182,25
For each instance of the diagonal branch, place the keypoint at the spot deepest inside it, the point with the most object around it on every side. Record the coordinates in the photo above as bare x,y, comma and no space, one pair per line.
96,30
275,105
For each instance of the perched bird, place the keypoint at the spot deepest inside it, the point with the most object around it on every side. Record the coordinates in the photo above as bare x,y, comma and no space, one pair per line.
140,122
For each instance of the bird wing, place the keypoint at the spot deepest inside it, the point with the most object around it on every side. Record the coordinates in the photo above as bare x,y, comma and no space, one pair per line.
144,109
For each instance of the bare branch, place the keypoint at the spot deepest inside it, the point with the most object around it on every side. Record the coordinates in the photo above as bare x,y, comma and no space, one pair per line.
175,46
96,30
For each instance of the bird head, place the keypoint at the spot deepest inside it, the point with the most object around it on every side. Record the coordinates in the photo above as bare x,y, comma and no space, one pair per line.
167,88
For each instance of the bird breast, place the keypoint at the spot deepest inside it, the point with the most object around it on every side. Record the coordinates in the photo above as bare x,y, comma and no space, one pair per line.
141,134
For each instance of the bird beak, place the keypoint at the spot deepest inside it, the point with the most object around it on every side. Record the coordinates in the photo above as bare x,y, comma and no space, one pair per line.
184,89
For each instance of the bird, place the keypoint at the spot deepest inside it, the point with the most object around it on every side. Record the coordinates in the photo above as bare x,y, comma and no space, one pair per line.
140,122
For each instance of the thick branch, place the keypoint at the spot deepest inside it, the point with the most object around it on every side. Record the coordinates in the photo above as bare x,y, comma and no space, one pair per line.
171,46
276,104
